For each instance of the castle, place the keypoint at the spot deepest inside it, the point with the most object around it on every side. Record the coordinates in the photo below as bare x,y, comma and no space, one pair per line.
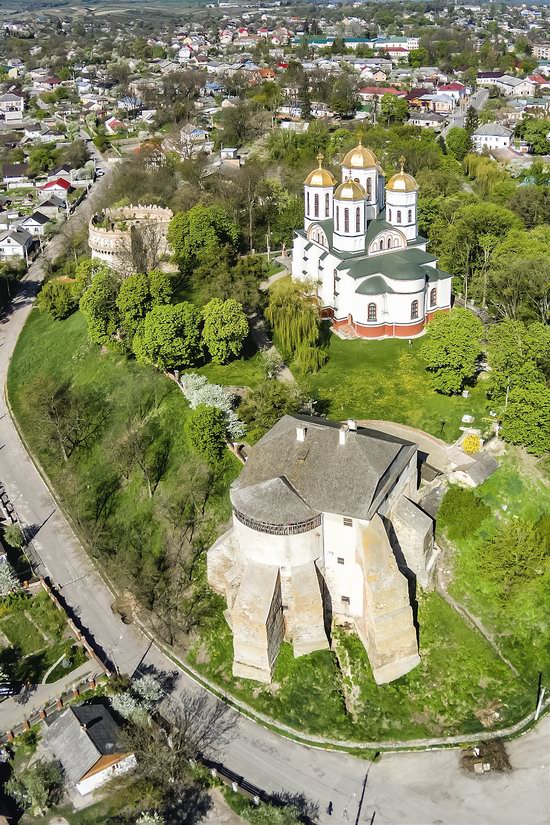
325,529
360,244
110,234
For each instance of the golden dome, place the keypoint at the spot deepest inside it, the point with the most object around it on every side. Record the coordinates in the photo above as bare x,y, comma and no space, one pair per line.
402,182
320,176
350,191
360,158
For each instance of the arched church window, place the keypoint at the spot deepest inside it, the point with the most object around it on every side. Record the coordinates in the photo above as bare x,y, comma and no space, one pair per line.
398,216
346,220
307,203
371,313
389,214
369,189
327,205
316,202
356,180
414,310
382,244
433,297
337,218
410,216
358,219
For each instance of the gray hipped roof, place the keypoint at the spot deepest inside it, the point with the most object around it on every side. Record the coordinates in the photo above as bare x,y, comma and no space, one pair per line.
80,736
286,481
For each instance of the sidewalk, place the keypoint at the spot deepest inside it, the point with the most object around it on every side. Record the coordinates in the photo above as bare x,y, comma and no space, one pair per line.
13,712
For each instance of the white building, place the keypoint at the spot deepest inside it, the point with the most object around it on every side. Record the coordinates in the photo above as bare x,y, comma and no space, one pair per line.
491,136
324,529
11,107
15,243
360,245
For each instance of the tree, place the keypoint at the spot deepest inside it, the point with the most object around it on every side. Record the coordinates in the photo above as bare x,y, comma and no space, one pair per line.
219,276
471,120
169,337
451,349
458,142
8,578
526,417
207,433
268,402
513,556
13,535
293,316
201,230
70,417
461,512
518,355
57,298
310,359
98,305
266,814
38,787
225,328
133,302
344,100
393,109
418,57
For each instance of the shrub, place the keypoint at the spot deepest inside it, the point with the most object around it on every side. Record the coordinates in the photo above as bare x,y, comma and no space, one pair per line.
207,432
57,298
471,444
461,512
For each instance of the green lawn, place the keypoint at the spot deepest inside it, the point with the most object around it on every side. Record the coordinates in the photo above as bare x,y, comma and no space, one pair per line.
21,633
459,674
387,380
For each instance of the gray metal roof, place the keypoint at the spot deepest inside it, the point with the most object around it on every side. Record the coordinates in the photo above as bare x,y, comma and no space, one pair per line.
80,736
287,481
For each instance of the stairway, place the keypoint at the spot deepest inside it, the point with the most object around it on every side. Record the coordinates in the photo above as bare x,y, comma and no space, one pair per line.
347,332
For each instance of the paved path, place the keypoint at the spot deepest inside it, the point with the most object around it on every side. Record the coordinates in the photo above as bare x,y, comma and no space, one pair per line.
477,100
416,788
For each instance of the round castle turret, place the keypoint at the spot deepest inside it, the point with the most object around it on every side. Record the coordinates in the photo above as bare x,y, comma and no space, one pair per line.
109,232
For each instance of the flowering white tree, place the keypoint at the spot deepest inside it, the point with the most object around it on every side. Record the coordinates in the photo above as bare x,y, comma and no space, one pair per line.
198,390
149,691
8,580
150,818
128,706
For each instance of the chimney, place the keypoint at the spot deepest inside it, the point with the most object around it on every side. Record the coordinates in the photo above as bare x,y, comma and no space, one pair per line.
301,432
352,425
343,434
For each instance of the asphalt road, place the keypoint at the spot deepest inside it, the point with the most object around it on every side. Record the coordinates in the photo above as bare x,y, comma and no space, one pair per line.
477,100
415,789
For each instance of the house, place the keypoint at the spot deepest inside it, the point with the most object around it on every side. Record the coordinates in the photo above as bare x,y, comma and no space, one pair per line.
59,186
516,86
488,78
429,120
15,243
51,206
306,543
475,471
15,175
113,125
455,90
360,244
11,107
374,92
35,224
86,740
491,136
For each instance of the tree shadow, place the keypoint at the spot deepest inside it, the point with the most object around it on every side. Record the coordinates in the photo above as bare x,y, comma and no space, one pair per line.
306,809
188,805
166,679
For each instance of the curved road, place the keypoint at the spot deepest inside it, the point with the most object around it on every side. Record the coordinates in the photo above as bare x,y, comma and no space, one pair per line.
415,788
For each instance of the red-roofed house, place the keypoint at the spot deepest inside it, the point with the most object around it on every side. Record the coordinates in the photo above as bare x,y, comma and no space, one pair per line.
541,81
455,90
397,52
59,187
114,125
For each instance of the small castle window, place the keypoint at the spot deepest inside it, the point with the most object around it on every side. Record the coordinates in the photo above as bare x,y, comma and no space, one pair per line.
358,219
414,310
398,216
371,312
316,201
433,297
327,205
348,522
345,599
410,216
346,220
340,560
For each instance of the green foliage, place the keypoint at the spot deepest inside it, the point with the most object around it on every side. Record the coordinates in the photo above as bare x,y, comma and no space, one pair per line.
271,815
393,109
451,349
513,556
169,337
310,359
38,787
57,298
535,132
471,121
267,403
526,418
344,99
458,142
13,535
518,353
225,328
99,308
133,302
200,231
461,512
207,432
418,57
293,316
86,269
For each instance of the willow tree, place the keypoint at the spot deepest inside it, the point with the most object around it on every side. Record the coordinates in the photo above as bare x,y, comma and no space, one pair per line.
293,315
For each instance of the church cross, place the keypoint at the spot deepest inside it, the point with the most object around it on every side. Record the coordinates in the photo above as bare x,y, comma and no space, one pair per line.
402,160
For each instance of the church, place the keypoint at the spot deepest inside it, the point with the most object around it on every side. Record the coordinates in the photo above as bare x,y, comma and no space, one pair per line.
360,244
